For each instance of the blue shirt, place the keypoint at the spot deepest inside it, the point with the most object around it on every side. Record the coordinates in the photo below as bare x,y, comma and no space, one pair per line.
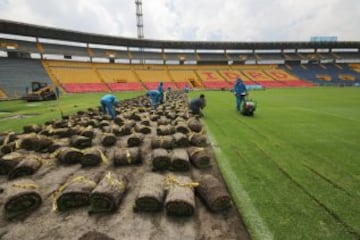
160,88
153,93
239,88
187,89
197,103
109,98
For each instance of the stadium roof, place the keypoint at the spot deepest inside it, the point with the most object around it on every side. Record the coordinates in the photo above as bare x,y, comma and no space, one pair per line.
31,30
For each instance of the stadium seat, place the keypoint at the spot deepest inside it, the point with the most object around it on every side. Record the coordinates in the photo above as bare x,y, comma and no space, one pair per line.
181,85
17,74
154,85
212,79
217,85
129,86
84,87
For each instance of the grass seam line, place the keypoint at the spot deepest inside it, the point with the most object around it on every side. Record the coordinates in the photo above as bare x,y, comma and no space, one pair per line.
256,225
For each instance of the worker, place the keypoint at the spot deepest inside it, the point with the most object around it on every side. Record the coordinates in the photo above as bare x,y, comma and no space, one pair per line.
108,103
161,91
240,92
187,89
57,92
154,96
167,94
197,104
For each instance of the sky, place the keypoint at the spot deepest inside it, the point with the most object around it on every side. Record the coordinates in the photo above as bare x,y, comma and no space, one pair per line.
196,20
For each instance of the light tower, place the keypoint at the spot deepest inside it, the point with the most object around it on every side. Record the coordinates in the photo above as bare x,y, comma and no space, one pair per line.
139,19
140,27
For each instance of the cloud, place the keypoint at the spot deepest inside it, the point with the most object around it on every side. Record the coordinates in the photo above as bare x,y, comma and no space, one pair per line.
195,20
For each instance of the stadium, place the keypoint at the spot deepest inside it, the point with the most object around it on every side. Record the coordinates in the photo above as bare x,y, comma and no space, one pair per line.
291,171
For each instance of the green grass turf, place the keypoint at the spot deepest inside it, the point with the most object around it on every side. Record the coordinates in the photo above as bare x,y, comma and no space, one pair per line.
293,169
297,161
47,110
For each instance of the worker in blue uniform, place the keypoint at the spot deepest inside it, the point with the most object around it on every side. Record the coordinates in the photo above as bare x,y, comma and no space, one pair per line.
154,96
187,89
108,103
197,104
240,92
161,91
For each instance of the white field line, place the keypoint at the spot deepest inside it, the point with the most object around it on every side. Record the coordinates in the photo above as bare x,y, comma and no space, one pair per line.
256,225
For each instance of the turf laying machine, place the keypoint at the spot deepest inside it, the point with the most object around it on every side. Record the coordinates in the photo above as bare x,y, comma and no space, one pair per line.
248,106
40,91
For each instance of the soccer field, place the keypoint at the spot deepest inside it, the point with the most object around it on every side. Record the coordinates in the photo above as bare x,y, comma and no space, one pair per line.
293,169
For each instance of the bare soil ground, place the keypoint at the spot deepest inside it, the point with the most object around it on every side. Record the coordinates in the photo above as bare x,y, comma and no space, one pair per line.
44,223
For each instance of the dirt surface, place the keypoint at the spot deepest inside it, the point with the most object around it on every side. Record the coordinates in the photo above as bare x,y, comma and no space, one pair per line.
45,223
19,116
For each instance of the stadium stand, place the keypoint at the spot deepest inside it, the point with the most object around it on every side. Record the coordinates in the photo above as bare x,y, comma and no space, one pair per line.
269,56
212,57
326,55
106,53
347,55
84,87
355,67
327,74
184,75
291,57
211,79
13,45
65,50
152,75
75,77
119,77
133,64
286,78
261,78
171,57
232,75
17,74
241,57
177,56
147,55
238,72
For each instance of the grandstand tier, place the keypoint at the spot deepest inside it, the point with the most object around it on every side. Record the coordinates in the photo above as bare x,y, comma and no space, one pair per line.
257,75
327,74
76,77
231,76
153,75
280,75
117,75
209,76
16,75
91,62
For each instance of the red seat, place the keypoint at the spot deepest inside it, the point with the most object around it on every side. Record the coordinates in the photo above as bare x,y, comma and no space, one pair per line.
128,86
299,83
181,85
272,84
154,85
216,84
84,87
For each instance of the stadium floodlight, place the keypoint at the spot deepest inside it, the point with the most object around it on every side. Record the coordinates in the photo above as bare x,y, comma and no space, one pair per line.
139,19
140,27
